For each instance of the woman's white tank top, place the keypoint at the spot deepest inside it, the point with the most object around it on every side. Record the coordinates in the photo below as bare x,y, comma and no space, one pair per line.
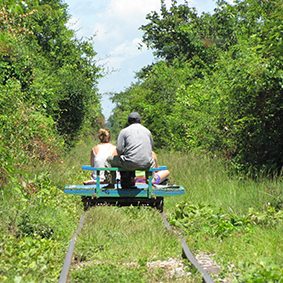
104,150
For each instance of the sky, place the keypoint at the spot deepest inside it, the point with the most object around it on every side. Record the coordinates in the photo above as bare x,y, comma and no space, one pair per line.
115,24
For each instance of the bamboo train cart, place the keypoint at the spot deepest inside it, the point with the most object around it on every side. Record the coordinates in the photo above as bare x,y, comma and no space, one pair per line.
123,193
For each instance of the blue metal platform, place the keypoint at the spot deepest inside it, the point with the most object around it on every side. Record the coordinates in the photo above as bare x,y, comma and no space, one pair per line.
139,190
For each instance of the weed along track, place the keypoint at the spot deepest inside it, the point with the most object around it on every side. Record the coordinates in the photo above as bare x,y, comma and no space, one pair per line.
129,244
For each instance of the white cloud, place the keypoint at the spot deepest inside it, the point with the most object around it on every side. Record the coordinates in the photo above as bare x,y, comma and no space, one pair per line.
121,19
137,9
127,50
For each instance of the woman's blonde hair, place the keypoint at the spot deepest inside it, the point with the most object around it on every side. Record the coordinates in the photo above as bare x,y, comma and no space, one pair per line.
104,135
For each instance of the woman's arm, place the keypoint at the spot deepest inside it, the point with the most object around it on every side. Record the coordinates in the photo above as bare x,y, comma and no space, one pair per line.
92,158
115,151
155,159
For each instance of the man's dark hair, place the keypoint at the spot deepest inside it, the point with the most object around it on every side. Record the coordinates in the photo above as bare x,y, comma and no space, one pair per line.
134,117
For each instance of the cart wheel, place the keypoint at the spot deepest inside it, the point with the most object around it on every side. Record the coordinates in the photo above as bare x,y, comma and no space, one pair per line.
160,204
86,202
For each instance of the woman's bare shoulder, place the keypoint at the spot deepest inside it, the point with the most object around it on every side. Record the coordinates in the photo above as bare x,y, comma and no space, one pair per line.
95,149
114,150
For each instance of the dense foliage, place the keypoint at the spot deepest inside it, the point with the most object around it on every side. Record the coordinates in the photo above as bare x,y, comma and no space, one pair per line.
48,81
216,87
216,84
37,221
48,99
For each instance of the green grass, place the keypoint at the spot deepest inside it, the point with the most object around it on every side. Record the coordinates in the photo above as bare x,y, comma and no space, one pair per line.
237,219
126,234
114,238
207,180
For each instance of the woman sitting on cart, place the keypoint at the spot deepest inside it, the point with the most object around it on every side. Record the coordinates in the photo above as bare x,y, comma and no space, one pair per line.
99,153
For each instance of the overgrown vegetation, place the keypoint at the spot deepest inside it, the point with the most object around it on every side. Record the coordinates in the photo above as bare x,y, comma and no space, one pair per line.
37,222
48,100
48,78
248,243
237,220
213,97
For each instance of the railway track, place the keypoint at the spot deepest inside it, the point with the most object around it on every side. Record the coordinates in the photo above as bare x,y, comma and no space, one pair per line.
186,254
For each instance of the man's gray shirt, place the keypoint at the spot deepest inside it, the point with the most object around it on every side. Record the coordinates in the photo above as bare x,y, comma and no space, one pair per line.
135,145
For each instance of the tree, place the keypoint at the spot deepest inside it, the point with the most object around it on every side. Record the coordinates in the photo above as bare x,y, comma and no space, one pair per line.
67,69
218,84
47,79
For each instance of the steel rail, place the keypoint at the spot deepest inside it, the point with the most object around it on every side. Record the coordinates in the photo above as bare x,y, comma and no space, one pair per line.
206,278
68,259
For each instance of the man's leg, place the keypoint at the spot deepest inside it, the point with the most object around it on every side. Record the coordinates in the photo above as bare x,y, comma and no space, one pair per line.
112,161
152,165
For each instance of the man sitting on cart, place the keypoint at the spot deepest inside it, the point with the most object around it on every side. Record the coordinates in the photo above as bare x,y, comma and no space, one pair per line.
134,147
